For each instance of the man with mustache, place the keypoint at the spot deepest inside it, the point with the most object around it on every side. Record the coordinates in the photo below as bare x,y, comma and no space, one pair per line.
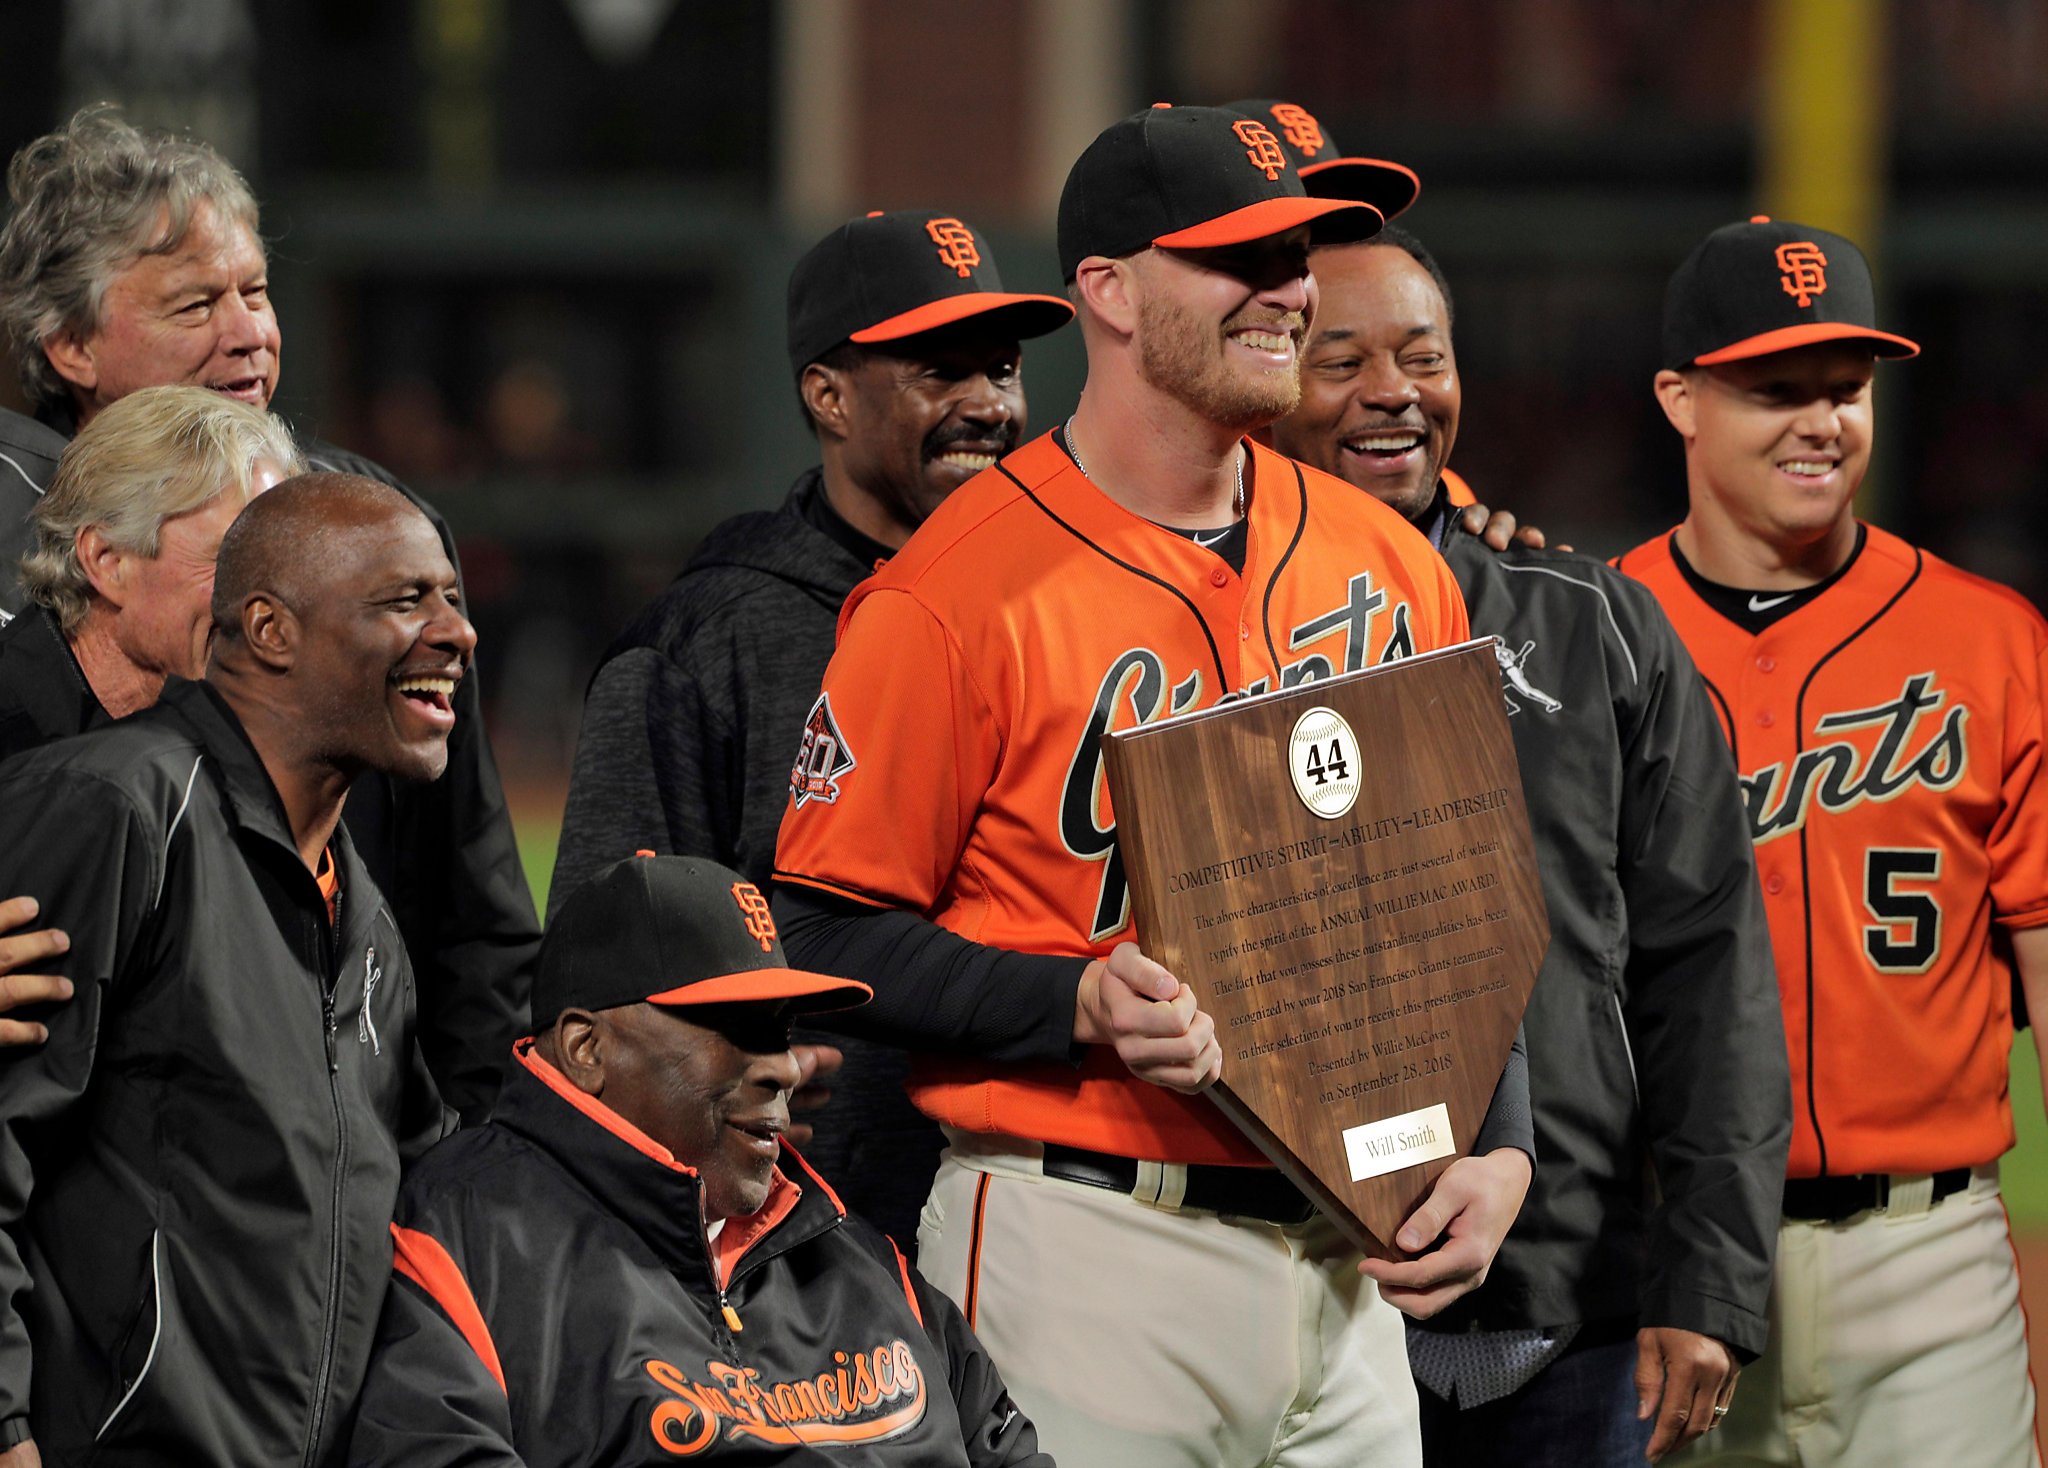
905,349
198,1168
1154,1292
1610,1324
132,260
626,1266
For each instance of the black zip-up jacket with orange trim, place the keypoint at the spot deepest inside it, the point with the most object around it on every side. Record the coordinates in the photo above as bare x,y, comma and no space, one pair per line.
556,1303
197,1170
443,853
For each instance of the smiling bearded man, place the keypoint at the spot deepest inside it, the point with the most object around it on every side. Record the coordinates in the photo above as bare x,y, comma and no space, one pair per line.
946,834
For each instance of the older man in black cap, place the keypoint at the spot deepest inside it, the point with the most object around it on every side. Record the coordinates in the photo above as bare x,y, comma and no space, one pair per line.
616,1270
905,349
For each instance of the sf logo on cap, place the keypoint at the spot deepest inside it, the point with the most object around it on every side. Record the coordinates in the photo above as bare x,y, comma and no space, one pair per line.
1300,128
956,245
1800,262
1261,147
755,913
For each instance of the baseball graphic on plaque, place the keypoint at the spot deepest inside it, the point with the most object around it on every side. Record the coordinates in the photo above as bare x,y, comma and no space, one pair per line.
1343,873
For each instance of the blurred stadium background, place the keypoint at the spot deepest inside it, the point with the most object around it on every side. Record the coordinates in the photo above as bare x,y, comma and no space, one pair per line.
530,254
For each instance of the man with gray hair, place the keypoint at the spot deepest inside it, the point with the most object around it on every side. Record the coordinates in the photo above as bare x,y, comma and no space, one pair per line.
132,260
120,581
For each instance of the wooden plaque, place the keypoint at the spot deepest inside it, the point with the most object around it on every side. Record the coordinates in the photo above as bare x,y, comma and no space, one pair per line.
1343,874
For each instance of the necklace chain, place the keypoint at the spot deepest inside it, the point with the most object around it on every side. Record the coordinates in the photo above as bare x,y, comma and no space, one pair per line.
1237,494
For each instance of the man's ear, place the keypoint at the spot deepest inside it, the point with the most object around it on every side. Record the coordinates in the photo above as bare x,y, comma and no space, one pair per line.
72,357
579,1050
1108,290
104,564
270,630
1674,396
825,392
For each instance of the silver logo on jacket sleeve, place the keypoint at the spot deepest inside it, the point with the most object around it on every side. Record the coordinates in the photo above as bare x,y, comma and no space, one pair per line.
366,1028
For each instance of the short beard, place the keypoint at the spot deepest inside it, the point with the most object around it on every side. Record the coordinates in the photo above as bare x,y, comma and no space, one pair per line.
1182,357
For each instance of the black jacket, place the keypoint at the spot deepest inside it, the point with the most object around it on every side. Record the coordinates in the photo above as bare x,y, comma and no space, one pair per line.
1656,1051
690,727
557,1303
197,1170
444,852
43,692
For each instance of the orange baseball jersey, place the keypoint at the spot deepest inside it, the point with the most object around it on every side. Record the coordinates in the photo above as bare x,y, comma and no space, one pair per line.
1456,490
950,767
1888,736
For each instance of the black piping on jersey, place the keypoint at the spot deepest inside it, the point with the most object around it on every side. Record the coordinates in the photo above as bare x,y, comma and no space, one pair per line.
843,889
1805,870
1215,653
1273,581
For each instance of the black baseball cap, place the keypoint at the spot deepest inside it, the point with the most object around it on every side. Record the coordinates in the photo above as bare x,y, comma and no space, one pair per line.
1766,286
884,277
1327,172
671,930
1189,178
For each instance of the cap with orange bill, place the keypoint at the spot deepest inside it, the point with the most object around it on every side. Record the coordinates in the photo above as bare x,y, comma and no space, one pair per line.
675,931
1190,178
1764,286
885,277
1327,171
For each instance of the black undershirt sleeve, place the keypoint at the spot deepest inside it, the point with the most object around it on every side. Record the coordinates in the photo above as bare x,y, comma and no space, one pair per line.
1509,1122
934,990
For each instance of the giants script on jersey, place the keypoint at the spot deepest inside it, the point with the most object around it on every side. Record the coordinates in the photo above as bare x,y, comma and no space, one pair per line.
1840,775
1135,690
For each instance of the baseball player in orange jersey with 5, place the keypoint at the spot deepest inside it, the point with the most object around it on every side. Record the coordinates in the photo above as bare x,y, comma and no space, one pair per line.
1154,1293
1885,711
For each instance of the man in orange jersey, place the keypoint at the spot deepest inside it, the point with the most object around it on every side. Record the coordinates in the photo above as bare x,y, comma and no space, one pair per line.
1885,711
1154,1294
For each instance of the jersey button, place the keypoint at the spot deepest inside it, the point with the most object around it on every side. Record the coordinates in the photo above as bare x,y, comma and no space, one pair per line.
1765,719
1244,632
1767,665
1219,577
1774,884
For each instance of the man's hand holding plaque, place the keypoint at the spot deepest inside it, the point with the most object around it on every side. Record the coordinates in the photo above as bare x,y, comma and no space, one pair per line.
1130,1002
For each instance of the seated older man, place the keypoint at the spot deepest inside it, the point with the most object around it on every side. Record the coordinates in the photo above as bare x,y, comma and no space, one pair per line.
615,1270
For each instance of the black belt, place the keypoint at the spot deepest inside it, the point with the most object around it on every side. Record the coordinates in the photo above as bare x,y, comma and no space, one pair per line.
1244,1192
1832,1199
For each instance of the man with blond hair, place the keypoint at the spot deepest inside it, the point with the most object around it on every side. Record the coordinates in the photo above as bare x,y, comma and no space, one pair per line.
132,259
120,581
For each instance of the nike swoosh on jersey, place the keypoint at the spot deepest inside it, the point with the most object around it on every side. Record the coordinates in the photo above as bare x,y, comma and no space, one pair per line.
1763,604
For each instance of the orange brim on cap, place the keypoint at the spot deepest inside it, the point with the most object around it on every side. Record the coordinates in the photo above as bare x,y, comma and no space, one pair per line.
758,984
949,309
1785,338
1258,221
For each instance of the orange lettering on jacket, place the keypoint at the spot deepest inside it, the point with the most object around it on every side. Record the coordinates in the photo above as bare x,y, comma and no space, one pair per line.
863,1397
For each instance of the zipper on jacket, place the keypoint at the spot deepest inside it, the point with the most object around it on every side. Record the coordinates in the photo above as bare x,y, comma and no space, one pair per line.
330,1317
